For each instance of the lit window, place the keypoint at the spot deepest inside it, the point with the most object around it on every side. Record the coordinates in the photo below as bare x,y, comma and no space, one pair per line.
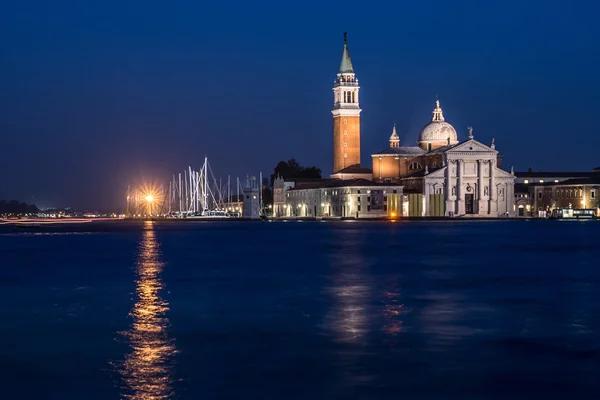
345,155
556,181
526,180
541,181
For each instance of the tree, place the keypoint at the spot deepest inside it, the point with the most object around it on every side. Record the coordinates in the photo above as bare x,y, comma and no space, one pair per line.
16,207
292,169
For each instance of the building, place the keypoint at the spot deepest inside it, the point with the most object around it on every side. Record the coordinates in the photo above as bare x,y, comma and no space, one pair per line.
540,193
469,182
346,115
441,175
251,203
354,198
454,178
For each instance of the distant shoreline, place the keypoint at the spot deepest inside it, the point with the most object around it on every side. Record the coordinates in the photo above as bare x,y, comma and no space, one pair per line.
49,222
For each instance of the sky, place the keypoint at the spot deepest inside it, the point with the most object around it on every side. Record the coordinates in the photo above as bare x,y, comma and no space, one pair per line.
99,95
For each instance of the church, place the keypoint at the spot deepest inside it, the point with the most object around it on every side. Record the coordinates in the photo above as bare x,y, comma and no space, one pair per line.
439,176
452,177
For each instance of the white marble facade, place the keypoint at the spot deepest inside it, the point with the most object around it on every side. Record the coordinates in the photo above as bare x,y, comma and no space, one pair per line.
471,182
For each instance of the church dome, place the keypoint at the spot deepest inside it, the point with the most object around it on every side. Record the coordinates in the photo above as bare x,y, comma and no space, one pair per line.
436,133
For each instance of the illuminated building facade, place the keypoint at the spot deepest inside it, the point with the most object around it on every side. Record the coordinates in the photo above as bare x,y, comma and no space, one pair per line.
355,198
251,202
539,193
453,178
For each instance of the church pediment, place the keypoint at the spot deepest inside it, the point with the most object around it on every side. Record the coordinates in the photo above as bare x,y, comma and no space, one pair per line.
500,173
471,145
440,173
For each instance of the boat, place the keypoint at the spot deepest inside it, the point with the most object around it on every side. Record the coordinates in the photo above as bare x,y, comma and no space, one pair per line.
573,213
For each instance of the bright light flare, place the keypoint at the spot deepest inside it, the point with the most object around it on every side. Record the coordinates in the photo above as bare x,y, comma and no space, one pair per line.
149,198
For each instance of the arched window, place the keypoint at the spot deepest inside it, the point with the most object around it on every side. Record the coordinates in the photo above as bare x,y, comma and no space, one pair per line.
415,166
354,97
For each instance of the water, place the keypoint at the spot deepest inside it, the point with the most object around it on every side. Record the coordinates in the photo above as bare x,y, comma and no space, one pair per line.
302,310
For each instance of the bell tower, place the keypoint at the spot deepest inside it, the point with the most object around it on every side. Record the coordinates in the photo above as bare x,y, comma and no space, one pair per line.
346,115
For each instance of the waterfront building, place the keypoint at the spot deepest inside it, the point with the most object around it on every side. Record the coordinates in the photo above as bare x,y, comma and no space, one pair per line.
441,175
354,198
251,203
454,178
540,193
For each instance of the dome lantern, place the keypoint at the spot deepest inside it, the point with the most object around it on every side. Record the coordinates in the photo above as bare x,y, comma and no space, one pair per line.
438,133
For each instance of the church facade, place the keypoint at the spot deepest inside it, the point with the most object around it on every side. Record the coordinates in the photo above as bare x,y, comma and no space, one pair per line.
454,178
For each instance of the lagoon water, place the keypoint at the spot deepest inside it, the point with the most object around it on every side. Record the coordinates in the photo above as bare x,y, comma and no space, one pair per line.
301,310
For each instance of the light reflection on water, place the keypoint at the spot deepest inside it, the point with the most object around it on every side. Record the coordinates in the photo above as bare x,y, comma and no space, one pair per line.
146,373
392,312
350,290
350,315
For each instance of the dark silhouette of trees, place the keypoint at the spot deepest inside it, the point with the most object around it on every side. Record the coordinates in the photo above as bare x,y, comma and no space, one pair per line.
16,207
292,169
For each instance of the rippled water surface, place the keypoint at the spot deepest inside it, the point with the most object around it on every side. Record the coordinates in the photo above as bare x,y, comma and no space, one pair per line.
303,310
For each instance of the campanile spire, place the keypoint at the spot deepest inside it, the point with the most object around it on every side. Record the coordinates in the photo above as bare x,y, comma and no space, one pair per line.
346,115
346,64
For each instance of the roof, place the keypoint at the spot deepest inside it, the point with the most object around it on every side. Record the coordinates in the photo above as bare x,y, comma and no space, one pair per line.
421,173
594,180
355,169
304,180
522,188
337,183
409,150
553,174
443,148
346,64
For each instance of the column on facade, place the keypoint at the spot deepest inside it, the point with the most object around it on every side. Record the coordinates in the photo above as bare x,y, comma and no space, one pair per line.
448,182
493,191
493,188
480,181
459,187
449,202
459,172
427,193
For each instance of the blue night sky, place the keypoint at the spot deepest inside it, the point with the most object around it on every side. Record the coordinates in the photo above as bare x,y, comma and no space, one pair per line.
98,95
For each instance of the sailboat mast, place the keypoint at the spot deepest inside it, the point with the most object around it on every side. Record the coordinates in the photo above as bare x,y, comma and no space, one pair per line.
205,183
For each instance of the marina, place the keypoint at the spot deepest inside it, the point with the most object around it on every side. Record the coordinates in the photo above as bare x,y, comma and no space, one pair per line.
196,195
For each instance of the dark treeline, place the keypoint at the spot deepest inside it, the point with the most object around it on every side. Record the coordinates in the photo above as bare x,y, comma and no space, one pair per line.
17,207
